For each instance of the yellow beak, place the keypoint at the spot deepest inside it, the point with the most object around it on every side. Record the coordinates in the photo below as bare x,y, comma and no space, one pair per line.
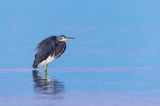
69,38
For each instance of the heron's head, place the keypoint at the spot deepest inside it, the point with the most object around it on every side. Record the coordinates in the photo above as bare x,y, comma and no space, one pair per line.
64,38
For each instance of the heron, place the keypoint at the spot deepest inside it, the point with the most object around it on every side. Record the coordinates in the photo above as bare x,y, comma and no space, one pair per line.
49,50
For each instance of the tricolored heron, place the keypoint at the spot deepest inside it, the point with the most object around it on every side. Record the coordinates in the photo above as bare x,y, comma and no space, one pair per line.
49,49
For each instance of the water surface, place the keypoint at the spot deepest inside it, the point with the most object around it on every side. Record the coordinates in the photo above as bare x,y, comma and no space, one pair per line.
80,87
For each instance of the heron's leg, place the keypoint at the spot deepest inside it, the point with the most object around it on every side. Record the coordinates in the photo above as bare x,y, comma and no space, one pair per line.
45,71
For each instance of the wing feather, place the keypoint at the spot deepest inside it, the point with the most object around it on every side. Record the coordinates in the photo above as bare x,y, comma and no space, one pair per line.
60,48
45,49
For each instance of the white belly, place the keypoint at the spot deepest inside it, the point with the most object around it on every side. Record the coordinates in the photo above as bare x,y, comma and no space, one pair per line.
48,60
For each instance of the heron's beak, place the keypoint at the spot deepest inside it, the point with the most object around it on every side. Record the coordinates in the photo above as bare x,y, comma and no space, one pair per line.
69,38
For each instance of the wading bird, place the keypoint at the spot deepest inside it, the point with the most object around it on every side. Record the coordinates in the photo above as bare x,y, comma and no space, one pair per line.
48,50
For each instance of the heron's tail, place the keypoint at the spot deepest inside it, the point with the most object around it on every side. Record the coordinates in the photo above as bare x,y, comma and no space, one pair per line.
35,65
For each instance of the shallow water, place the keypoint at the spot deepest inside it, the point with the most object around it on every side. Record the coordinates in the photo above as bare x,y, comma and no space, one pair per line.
80,87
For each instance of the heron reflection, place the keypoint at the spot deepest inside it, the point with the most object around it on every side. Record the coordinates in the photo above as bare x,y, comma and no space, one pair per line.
46,85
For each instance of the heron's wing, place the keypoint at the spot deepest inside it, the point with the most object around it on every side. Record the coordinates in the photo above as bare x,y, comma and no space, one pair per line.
44,50
60,48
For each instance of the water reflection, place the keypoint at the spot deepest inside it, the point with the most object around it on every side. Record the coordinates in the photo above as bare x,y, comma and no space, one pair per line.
46,85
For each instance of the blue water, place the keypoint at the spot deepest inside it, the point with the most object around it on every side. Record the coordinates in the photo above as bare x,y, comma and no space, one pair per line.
90,87
114,60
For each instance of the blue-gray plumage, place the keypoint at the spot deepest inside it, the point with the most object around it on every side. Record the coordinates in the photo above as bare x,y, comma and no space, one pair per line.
50,49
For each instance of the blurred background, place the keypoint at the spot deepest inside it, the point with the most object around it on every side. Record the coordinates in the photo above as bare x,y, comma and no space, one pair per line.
114,60
117,33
